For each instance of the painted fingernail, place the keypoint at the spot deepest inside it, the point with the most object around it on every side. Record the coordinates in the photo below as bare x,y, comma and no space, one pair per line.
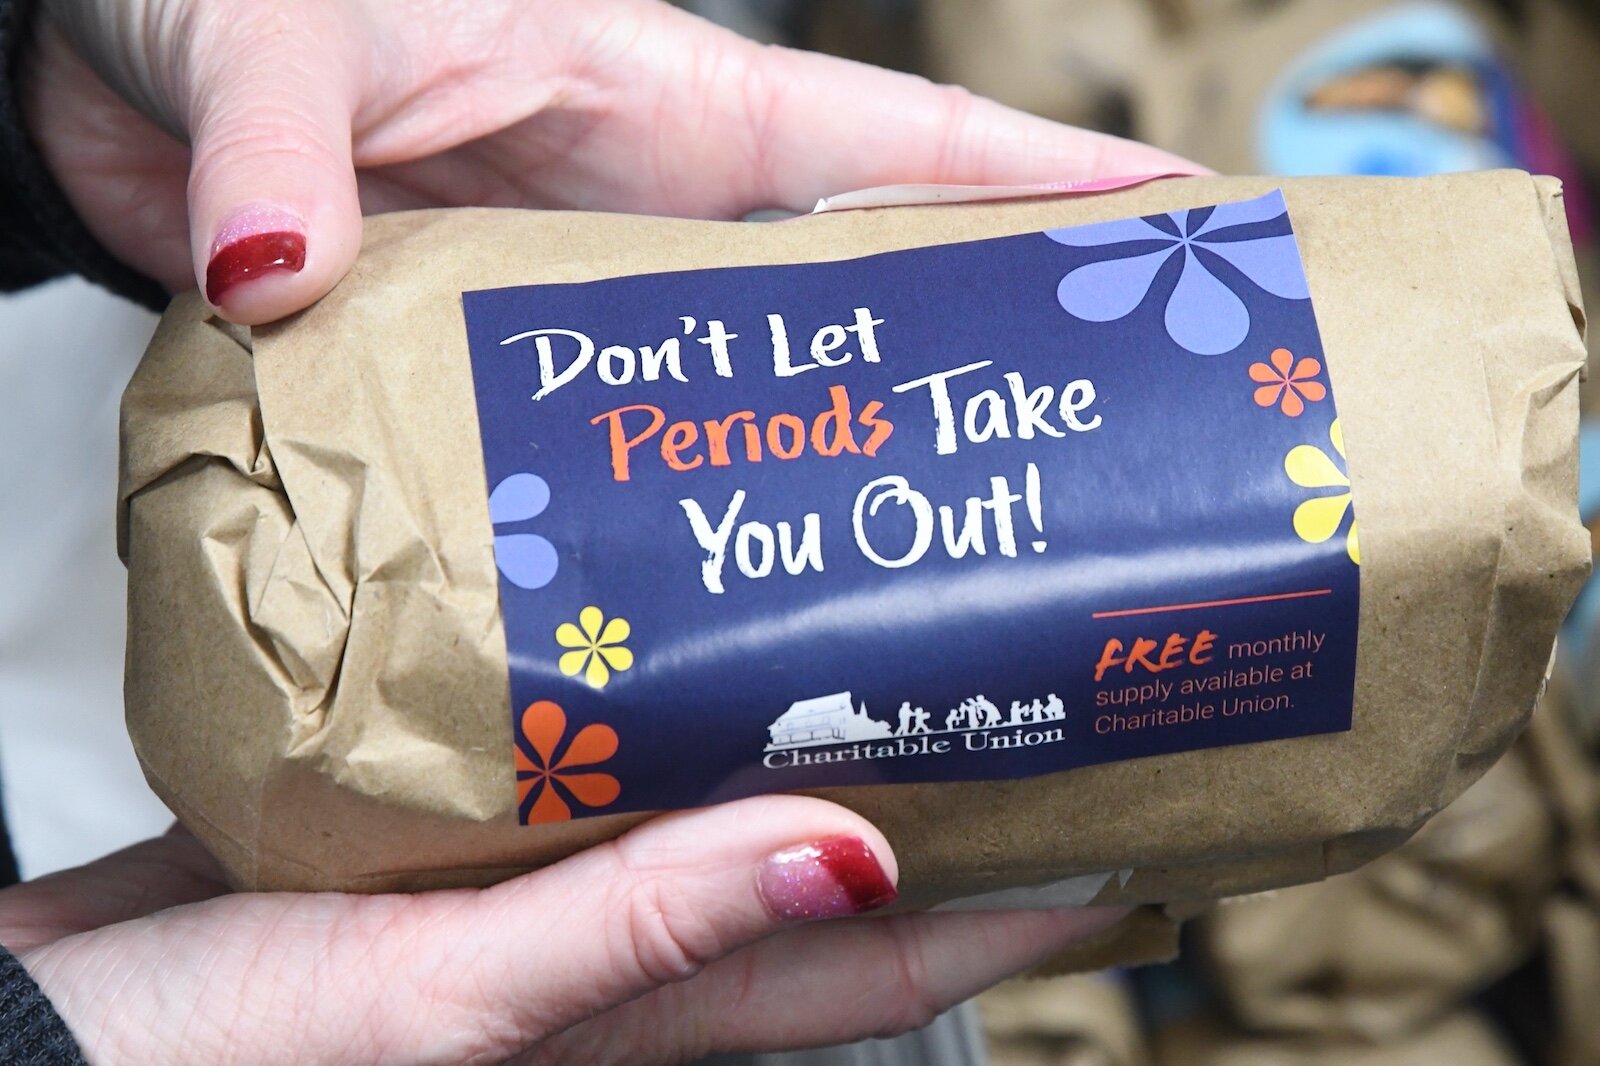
254,242
825,879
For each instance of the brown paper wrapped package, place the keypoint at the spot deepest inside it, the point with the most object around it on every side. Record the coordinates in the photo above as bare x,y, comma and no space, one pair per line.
1083,1020
1385,950
317,677
1069,60
1461,1039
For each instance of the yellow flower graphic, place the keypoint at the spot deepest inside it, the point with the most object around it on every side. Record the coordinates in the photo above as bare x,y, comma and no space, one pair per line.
1320,517
597,646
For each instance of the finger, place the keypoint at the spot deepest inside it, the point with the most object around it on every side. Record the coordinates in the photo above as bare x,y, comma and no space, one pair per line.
910,969
833,983
819,126
475,975
622,106
274,217
148,877
651,908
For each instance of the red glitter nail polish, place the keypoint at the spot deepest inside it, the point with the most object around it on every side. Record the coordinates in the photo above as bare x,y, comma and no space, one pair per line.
825,879
249,257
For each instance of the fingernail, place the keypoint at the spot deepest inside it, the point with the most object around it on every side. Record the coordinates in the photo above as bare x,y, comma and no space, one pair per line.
826,879
251,243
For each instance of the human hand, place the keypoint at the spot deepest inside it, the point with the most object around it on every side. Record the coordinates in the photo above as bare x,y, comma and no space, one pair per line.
696,932
303,113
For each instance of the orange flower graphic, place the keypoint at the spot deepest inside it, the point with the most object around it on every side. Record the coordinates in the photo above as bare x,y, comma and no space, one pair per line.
542,779
1291,389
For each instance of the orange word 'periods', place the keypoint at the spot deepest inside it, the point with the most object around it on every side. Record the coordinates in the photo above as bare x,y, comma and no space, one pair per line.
685,444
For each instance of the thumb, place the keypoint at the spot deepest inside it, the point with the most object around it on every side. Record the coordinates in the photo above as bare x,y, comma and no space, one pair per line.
652,908
464,975
274,218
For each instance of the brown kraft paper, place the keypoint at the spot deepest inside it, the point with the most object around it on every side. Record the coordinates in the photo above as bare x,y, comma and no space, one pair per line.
1085,1020
1460,1039
1384,950
317,676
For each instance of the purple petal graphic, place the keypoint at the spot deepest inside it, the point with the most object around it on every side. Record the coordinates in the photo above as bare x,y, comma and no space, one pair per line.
1098,234
1271,262
1262,209
1107,290
528,561
1166,224
517,497
1195,219
1203,314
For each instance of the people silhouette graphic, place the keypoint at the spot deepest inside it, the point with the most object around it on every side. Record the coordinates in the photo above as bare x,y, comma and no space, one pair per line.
912,720
905,720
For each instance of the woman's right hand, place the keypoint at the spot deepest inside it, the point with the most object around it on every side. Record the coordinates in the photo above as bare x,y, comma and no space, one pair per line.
702,931
237,143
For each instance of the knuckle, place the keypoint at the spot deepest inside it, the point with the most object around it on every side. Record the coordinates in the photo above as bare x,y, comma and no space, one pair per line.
768,92
956,143
264,133
664,944
666,938
957,101
915,1004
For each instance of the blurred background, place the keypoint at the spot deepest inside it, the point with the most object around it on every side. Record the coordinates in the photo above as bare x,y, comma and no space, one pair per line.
1477,944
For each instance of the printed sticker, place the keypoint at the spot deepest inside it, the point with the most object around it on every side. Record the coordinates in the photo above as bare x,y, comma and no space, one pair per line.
973,511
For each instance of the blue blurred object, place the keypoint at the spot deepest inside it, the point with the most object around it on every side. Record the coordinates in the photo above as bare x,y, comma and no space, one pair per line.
1296,137
1580,626
1359,130
1589,470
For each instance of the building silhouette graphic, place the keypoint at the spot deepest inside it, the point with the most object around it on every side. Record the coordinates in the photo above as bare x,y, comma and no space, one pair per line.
833,719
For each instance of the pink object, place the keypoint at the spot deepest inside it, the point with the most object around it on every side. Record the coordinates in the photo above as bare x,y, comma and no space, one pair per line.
1540,149
905,195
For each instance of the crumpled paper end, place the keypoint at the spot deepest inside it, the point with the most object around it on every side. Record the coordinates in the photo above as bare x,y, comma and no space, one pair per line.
1145,936
193,363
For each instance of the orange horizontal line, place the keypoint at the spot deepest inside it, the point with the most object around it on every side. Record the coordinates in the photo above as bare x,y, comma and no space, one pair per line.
1212,603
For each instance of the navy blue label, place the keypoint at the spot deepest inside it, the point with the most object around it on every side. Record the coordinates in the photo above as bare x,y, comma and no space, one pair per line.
973,511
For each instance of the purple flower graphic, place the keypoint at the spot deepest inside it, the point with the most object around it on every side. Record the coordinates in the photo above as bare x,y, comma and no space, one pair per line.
1203,314
527,560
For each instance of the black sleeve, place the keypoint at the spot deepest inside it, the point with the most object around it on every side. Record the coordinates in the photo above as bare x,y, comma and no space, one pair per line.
8,855
31,1033
41,237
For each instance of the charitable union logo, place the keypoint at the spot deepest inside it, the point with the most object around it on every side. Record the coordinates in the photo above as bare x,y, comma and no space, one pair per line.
837,728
